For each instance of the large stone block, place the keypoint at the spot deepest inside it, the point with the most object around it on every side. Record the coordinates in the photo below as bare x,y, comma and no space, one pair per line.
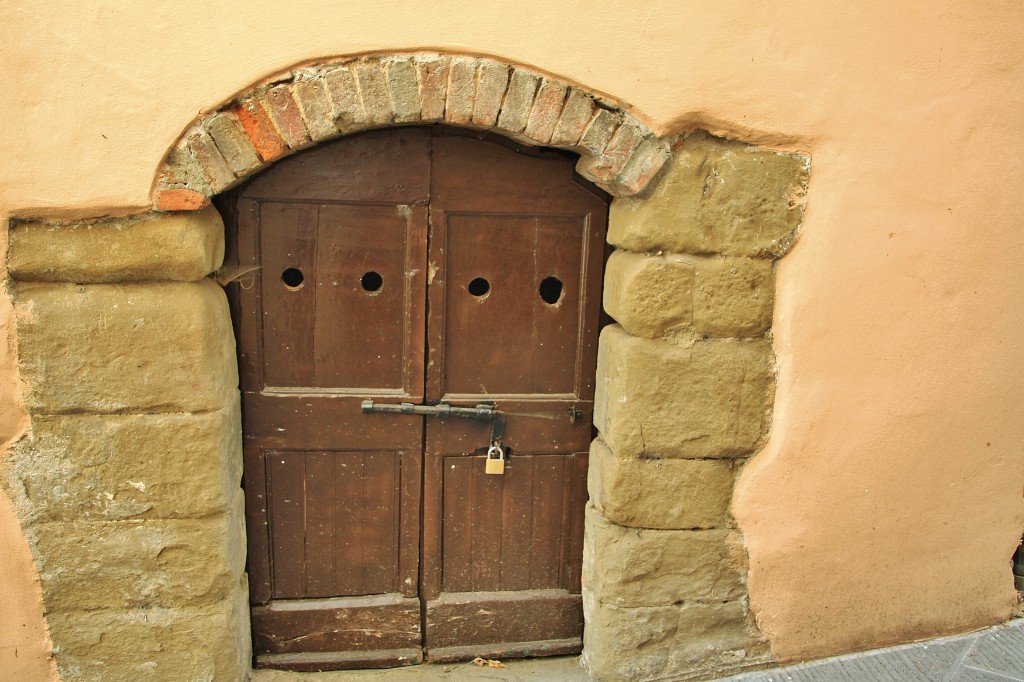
157,347
716,197
648,295
153,644
660,493
678,642
84,467
180,247
139,563
733,297
632,567
707,399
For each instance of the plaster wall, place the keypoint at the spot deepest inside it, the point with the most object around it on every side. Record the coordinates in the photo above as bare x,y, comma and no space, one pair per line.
888,501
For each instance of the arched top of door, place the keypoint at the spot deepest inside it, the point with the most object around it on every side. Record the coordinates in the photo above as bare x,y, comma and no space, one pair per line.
318,102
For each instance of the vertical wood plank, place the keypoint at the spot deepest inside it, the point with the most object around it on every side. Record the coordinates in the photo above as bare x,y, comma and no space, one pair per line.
486,536
348,545
380,530
516,524
457,531
545,536
320,534
257,526
287,522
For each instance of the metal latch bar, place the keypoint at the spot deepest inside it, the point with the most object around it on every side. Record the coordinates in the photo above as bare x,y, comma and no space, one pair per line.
482,412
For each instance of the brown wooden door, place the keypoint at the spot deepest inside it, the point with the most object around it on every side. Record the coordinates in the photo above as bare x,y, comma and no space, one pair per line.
415,266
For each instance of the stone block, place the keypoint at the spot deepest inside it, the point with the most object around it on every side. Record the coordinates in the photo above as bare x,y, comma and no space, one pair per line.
711,398
576,114
660,493
403,84
284,112
85,565
82,467
373,92
634,567
314,104
461,91
515,112
648,295
733,296
233,143
489,92
691,640
716,197
102,348
433,77
348,108
260,130
547,108
153,644
180,247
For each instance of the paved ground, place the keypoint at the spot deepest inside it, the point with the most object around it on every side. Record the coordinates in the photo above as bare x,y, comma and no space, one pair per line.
992,655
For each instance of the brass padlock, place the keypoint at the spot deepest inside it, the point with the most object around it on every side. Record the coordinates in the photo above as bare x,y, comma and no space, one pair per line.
495,460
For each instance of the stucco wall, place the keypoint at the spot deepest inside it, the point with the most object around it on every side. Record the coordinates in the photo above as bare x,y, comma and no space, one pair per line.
888,500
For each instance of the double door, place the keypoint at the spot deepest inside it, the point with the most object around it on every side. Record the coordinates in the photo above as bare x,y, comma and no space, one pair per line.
422,267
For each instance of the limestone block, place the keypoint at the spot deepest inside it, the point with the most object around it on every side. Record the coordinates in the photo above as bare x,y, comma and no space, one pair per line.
668,642
88,565
648,295
175,246
82,467
733,297
158,347
658,399
716,197
154,644
660,493
632,567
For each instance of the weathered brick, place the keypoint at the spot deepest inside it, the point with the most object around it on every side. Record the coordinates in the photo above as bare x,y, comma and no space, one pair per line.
609,163
461,91
233,143
179,200
658,399
373,92
490,90
645,162
84,467
637,567
154,644
85,565
105,348
649,296
314,104
660,493
181,247
547,107
181,171
518,101
716,197
348,108
215,169
284,112
403,84
433,78
260,129
600,130
576,114
733,296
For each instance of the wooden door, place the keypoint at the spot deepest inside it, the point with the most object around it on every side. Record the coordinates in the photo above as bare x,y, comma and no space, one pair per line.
415,266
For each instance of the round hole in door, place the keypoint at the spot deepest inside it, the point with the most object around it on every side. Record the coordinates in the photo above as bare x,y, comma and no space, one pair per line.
292,278
479,287
371,282
551,290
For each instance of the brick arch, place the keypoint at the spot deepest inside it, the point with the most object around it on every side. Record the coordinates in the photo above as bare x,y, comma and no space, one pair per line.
305,106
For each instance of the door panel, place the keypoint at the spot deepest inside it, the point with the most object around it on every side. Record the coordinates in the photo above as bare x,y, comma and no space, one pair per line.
376,539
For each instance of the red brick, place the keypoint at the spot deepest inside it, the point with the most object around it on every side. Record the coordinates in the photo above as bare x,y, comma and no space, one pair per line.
261,132
179,200
547,107
284,112
433,72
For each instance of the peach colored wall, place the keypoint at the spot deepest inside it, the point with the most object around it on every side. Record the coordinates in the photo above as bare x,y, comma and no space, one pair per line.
889,499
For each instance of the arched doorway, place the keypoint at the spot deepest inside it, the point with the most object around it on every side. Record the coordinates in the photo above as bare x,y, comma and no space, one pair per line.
436,269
